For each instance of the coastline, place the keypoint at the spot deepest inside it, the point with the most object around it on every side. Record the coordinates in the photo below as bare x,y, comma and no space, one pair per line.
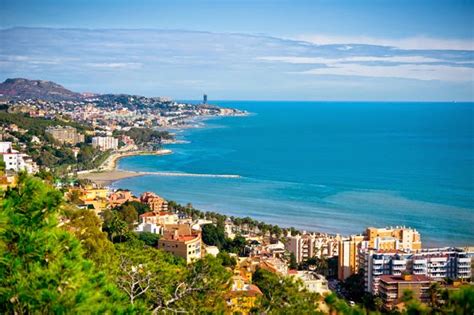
107,173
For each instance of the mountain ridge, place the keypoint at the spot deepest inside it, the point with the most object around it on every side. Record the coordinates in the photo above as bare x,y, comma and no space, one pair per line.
22,88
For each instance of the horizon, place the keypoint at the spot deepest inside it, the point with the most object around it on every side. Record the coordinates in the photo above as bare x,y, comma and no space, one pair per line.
260,50
256,100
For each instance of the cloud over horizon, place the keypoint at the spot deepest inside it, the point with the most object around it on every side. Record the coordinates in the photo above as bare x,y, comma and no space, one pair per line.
185,64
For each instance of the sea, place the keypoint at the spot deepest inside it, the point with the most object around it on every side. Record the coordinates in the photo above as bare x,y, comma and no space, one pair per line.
334,167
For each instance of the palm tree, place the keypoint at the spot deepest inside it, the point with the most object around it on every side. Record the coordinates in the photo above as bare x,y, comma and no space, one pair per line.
434,293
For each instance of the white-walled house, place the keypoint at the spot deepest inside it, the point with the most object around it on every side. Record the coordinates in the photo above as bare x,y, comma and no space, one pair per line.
16,161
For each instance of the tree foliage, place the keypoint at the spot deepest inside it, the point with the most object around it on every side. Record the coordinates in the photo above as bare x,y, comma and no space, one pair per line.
42,268
282,295
54,258
163,283
86,226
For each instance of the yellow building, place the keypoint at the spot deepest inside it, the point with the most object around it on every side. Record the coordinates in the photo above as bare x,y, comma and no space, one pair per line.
393,238
94,193
398,238
7,181
347,258
90,197
242,296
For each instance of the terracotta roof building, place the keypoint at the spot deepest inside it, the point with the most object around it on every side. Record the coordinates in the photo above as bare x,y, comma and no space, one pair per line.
392,288
181,241
155,202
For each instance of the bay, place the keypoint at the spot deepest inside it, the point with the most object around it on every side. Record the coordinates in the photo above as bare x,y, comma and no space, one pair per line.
334,167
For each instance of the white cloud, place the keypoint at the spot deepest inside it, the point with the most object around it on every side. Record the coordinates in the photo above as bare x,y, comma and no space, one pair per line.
115,65
410,67
322,60
418,72
417,42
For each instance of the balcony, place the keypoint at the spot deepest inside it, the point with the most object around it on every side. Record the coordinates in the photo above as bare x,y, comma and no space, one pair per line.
399,267
399,262
420,261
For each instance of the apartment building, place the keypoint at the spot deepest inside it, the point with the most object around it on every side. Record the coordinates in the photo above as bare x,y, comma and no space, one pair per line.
397,238
310,245
159,218
392,288
105,143
65,134
442,263
377,263
302,246
155,202
347,261
436,263
182,242
119,197
16,161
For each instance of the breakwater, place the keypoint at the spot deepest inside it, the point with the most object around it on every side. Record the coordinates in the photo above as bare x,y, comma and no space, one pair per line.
189,174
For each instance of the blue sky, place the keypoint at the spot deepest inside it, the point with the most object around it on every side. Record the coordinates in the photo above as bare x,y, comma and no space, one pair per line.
308,50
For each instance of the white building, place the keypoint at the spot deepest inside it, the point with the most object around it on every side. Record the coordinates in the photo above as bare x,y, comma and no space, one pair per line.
441,263
312,245
197,225
16,161
105,143
211,250
435,263
149,227
377,263
313,282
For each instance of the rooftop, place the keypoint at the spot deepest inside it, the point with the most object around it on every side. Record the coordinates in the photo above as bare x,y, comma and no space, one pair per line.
411,278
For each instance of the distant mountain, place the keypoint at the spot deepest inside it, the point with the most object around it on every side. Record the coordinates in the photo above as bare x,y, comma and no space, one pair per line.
19,88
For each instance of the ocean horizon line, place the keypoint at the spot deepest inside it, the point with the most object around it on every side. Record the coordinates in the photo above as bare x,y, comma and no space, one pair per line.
327,101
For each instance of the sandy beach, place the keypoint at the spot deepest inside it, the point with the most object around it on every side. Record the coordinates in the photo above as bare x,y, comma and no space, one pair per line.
107,173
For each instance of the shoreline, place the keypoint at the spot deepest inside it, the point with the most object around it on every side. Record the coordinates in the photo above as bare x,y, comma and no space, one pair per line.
107,172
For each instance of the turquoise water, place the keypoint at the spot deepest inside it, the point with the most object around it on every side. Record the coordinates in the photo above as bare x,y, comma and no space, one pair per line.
332,167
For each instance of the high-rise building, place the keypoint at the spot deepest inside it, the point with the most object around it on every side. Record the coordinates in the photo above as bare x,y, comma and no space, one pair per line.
436,263
347,259
442,263
310,245
398,238
301,246
105,143
377,263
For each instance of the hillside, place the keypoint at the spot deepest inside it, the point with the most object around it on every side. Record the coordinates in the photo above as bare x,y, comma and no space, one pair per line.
21,89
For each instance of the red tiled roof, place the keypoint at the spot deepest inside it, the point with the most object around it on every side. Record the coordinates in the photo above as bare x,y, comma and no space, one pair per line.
154,214
252,291
163,213
180,238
